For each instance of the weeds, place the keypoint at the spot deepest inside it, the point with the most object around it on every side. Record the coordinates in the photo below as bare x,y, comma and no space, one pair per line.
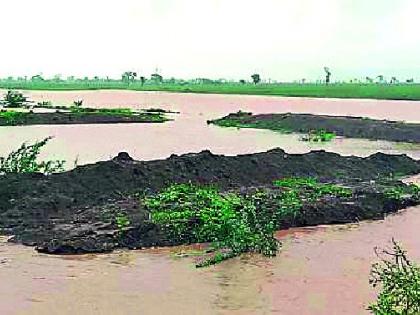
319,135
24,160
399,279
12,118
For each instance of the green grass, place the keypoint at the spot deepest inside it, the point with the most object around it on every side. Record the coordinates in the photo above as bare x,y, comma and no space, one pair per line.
11,117
319,135
342,90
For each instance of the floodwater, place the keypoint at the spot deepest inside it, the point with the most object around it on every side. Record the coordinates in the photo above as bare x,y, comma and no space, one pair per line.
189,131
321,270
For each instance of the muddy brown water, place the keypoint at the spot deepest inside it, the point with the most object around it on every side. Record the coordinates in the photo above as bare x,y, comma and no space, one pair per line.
321,270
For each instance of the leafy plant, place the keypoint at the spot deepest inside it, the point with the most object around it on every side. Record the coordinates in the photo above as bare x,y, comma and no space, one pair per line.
122,221
14,99
191,213
399,279
24,160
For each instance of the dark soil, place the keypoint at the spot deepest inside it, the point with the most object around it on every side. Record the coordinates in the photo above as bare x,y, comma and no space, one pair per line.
75,211
65,118
352,127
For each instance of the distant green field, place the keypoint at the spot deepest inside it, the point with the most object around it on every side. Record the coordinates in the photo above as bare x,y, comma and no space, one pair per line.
342,90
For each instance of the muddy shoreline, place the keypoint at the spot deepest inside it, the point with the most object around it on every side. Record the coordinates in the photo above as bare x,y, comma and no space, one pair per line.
351,127
74,211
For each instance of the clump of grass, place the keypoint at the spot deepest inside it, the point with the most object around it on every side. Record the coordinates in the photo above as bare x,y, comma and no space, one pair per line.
399,279
191,213
11,117
319,135
401,192
294,191
24,160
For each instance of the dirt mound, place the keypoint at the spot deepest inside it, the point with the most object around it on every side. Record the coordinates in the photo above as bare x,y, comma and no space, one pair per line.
74,211
352,127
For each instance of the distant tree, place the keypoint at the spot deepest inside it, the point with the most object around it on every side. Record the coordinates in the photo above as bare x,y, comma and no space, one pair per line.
256,78
242,81
380,78
156,78
369,80
129,76
70,78
142,80
393,80
37,77
327,75
96,78
410,80
303,81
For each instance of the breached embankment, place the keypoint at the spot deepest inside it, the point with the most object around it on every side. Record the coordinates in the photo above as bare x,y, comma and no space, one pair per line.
74,211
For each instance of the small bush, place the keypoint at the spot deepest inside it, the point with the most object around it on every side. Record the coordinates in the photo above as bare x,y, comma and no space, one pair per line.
399,279
24,160
14,99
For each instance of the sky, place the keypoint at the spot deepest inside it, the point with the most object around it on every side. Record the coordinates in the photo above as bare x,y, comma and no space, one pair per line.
283,40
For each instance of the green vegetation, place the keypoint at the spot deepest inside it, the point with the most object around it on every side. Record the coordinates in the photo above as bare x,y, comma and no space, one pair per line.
319,135
399,279
122,221
400,192
11,117
24,160
190,214
400,91
14,99
233,223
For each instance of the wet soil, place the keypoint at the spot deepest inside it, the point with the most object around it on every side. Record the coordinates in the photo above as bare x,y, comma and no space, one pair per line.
352,127
75,211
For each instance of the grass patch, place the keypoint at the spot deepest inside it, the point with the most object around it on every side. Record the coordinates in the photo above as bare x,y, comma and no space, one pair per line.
12,118
319,135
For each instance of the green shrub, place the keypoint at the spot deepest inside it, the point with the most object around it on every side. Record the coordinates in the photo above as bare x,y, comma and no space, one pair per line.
233,224
14,99
399,279
24,160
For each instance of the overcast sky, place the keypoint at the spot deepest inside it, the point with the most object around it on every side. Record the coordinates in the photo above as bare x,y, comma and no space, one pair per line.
280,39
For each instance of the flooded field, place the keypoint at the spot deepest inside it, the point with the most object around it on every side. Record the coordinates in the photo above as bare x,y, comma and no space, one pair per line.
189,131
322,270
